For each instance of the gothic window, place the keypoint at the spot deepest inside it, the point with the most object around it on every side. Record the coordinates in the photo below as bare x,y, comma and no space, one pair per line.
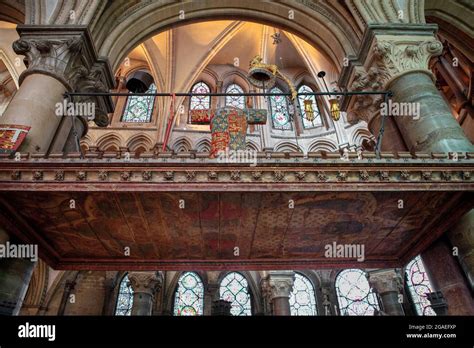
419,285
354,294
280,110
125,297
189,296
234,289
139,108
235,101
198,102
302,298
308,120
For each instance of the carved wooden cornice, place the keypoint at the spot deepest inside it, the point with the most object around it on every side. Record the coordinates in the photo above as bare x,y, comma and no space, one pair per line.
273,172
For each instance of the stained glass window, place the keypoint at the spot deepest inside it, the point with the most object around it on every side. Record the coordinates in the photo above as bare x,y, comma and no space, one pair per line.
139,108
235,101
234,289
419,285
198,102
189,296
280,111
354,293
125,297
302,298
316,121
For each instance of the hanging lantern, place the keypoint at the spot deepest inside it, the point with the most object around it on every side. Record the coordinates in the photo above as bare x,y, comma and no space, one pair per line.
308,110
335,110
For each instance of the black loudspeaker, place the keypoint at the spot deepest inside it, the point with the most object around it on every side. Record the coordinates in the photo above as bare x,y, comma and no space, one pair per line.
139,82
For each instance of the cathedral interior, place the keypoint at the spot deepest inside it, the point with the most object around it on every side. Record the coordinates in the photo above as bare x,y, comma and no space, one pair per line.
234,158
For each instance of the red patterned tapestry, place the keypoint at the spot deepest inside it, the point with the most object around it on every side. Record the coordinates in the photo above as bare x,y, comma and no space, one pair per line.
11,137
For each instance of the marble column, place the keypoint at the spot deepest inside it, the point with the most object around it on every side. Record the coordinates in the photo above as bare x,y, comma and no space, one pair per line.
446,276
280,286
58,59
436,130
395,57
461,236
15,275
387,284
144,285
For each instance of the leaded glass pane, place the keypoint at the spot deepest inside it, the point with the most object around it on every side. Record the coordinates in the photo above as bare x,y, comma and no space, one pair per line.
189,296
139,108
302,298
234,289
307,123
125,298
354,293
419,286
200,102
280,111
235,101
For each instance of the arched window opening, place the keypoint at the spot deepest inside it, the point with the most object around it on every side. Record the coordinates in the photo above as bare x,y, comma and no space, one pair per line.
419,286
354,294
280,110
237,101
302,298
234,289
189,296
309,120
125,298
139,109
198,102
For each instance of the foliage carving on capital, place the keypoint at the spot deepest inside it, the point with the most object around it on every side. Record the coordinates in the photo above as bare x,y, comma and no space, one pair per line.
281,284
145,282
385,280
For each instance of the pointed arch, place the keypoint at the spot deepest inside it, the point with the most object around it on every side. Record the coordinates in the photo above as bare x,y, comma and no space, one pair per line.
182,144
303,296
124,302
189,295
234,288
354,294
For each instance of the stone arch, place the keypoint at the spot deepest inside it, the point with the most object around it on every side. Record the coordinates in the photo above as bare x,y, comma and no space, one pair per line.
182,144
138,141
252,146
110,140
203,145
120,28
285,146
170,291
322,145
360,135
13,11
36,294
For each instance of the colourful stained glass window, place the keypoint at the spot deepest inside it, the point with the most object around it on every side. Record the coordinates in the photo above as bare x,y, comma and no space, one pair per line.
189,296
315,120
234,289
280,111
200,102
237,101
354,293
139,108
419,285
302,298
125,298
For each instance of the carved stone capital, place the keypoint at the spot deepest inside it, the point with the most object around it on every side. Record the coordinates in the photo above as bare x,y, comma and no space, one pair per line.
280,284
385,280
145,282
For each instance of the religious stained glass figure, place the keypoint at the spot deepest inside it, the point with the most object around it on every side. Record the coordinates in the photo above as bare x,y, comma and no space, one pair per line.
419,285
189,296
316,118
354,294
280,110
125,298
198,102
302,298
237,101
139,109
234,289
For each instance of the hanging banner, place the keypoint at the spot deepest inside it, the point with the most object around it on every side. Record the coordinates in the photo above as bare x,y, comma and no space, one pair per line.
11,137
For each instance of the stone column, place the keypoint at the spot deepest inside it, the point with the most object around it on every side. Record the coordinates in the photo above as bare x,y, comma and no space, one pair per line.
144,285
387,284
15,275
395,57
58,59
446,276
280,285
211,295
461,236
